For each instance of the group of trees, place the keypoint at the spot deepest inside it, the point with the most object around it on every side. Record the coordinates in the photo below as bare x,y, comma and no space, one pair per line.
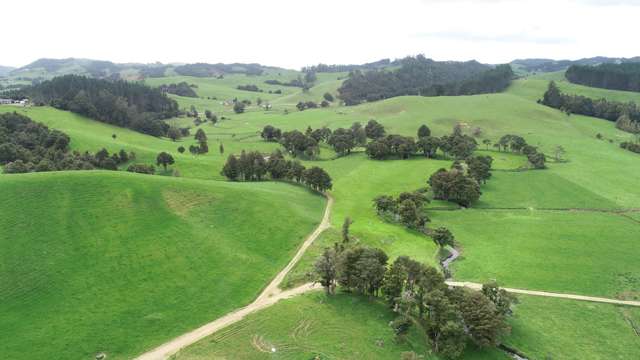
121,103
418,295
27,146
253,88
626,115
625,76
461,183
631,146
298,143
324,68
519,145
202,147
426,77
407,208
253,166
454,185
294,83
180,89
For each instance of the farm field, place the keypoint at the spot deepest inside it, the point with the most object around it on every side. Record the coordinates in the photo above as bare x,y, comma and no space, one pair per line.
117,263
569,228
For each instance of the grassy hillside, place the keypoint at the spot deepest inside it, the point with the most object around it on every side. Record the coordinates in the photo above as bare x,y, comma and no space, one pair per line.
532,87
348,327
116,262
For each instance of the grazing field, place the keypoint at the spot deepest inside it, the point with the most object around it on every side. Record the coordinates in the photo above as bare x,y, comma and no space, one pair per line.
532,87
118,263
579,252
315,326
569,228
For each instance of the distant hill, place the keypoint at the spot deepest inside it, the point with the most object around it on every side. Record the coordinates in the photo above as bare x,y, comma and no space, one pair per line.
44,69
5,70
550,65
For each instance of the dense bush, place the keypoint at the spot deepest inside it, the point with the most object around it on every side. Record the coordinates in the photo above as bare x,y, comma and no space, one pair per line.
421,76
120,103
625,76
180,89
294,83
142,169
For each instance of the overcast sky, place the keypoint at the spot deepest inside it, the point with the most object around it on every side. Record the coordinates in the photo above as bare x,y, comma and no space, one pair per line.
294,33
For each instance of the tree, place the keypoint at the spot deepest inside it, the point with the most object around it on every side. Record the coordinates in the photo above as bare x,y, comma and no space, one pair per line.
328,97
487,143
552,97
423,131
479,167
359,134
200,136
537,160
485,324
345,229
385,203
454,186
208,114
270,133
174,133
317,179
559,152
374,130
325,104
428,145
221,149
499,297
342,141
231,169
326,270
310,77
238,107
181,149
164,159
443,237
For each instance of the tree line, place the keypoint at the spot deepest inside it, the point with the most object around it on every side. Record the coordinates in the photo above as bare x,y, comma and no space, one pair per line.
626,115
121,103
624,76
254,166
425,77
213,70
417,294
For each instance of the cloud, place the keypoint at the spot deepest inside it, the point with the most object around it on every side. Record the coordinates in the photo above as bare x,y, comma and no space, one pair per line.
501,38
610,2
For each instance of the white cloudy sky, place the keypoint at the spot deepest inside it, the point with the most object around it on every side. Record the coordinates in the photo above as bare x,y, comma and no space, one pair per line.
294,33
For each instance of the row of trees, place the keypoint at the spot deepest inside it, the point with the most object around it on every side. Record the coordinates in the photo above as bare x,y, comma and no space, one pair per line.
626,115
421,76
625,76
448,317
121,103
253,166
457,144
518,144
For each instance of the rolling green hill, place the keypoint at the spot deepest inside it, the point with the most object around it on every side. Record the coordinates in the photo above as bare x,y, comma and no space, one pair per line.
117,263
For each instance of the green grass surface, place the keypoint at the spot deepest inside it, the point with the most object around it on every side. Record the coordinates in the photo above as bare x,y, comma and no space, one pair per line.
533,87
336,327
117,262
577,252
545,328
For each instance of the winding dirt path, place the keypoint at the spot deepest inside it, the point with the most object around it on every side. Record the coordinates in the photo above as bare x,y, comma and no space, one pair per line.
269,296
